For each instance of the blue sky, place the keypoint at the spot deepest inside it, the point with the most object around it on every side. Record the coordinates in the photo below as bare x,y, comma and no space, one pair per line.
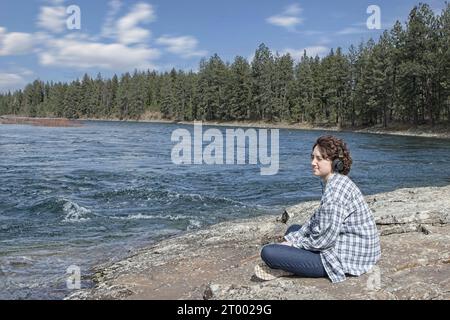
120,35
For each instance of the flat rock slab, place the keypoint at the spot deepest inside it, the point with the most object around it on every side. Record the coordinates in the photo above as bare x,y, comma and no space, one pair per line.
217,262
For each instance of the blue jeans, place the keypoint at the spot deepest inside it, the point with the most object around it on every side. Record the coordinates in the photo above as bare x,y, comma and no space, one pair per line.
300,262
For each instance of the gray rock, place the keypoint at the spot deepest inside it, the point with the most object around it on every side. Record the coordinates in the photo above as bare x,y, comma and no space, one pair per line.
217,262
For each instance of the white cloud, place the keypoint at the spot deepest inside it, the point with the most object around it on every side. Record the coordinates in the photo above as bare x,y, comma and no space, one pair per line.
55,2
288,19
361,28
293,9
128,31
317,50
351,30
127,47
108,28
68,52
284,21
2,36
15,43
83,51
185,46
52,19
312,51
10,81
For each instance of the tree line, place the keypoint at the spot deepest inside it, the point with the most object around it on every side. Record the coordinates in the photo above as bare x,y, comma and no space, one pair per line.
404,77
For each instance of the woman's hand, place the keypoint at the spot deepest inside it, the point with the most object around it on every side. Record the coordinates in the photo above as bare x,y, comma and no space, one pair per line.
286,243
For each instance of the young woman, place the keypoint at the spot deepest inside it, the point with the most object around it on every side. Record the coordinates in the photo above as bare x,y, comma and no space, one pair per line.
340,237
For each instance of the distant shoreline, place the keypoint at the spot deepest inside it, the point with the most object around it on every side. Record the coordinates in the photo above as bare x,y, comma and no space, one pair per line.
41,122
441,131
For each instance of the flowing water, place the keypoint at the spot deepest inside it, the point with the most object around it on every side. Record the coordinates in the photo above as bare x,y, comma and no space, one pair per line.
93,194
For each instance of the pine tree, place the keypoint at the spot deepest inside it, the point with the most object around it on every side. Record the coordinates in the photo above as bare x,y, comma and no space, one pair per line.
414,74
282,79
303,91
212,83
123,96
339,80
443,63
381,79
239,91
167,96
112,106
262,66
136,96
73,103
397,36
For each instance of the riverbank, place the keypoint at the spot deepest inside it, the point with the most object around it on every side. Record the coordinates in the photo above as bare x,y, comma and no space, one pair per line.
438,131
441,131
42,122
217,262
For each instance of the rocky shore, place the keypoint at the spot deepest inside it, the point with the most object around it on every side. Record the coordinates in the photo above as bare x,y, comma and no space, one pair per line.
217,262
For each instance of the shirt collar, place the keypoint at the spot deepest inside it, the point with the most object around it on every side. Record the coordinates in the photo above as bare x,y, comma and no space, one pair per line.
331,178
324,185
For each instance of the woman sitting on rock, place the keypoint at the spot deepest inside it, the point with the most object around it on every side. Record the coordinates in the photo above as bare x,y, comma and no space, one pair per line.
340,237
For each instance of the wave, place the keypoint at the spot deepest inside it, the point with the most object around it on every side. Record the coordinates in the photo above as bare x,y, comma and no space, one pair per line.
75,212
194,222
156,216
164,196
87,141
56,207
20,261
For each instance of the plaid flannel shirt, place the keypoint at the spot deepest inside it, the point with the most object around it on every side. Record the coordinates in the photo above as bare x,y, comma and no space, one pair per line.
342,229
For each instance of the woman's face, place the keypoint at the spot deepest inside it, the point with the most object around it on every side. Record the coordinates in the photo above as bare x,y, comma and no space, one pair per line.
321,167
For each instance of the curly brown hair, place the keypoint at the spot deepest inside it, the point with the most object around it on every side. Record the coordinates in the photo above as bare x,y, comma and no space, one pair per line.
329,149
